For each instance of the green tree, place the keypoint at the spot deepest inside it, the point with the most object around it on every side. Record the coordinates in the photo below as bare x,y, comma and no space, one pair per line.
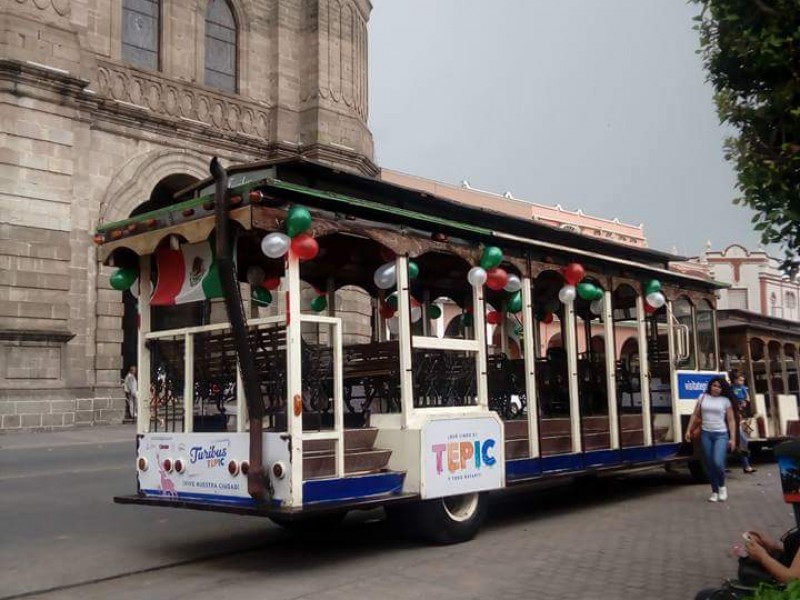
751,50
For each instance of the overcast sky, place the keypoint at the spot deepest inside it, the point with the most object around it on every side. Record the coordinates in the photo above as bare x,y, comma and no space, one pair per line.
598,105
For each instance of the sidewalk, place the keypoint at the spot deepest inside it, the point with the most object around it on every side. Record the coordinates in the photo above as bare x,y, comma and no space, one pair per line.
105,434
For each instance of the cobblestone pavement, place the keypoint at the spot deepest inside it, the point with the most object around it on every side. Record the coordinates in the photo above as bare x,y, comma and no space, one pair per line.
648,535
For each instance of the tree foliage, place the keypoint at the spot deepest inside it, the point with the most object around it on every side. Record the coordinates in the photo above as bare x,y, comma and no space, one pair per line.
751,50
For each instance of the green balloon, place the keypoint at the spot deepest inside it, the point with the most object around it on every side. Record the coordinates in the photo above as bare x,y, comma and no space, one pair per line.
391,300
319,304
262,296
467,320
413,270
123,279
492,257
587,290
434,312
298,220
598,293
652,286
514,303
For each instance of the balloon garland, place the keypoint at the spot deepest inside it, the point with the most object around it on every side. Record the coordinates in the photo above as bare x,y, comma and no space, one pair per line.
654,298
302,244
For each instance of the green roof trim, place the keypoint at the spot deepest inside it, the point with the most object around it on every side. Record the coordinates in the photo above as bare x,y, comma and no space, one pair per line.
376,206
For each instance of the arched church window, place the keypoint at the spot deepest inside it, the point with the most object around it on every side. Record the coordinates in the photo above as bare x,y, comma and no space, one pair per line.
221,39
141,29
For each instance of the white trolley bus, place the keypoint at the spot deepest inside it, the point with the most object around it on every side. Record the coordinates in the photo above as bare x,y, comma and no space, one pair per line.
380,346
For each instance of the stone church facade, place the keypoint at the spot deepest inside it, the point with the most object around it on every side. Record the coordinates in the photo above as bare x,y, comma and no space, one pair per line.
106,105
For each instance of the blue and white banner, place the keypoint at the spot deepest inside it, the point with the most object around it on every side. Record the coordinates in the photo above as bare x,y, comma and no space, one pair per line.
691,383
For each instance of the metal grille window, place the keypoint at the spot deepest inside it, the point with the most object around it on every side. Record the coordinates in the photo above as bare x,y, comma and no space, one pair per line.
141,23
220,46
737,298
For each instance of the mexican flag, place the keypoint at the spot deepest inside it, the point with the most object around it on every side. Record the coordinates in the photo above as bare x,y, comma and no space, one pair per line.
186,275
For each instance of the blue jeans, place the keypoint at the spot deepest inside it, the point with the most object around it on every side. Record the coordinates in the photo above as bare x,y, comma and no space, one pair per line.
743,441
715,450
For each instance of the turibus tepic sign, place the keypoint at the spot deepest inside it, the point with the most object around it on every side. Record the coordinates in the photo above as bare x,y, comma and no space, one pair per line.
461,455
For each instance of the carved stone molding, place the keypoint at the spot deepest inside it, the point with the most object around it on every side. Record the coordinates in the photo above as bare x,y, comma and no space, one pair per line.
61,7
342,56
179,100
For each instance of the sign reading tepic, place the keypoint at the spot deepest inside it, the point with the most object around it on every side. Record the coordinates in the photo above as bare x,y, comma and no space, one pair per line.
460,456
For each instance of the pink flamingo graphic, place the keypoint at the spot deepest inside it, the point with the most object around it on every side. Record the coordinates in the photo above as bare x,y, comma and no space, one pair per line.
167,486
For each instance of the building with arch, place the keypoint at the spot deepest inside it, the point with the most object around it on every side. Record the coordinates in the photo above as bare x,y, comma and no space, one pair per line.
108,110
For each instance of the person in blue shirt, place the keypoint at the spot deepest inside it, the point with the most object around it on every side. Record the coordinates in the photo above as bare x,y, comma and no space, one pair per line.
742,394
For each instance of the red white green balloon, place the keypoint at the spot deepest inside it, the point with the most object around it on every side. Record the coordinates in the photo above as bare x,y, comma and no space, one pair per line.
413,270
492,257
434,311
122,279
514,283
586,290
573,273
567,294
261,296
514,303
305,247
385,276
656,299
477,276
391,300
275,244
319,303
298,220
496,279
652,286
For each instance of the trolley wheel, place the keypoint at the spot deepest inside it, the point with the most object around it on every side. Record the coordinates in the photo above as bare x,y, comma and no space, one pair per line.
449,520
310,524
697,471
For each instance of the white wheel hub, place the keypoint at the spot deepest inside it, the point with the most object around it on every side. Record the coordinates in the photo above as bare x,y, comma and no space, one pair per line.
461,508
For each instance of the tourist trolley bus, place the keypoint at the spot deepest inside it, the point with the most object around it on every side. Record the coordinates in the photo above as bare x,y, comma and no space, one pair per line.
313,341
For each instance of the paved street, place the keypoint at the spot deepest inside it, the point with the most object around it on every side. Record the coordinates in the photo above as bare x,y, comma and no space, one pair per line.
645,535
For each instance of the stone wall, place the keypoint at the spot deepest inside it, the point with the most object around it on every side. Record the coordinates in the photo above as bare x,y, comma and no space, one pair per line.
86,139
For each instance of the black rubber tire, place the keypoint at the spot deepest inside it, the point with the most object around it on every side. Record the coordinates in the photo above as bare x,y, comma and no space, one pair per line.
698,471
432,521
309,525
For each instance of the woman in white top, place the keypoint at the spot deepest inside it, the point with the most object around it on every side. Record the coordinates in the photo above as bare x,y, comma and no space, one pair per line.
716,413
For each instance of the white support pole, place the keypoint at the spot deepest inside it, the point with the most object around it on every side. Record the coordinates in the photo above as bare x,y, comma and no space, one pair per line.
294,351
644,371
188,383
338,398
572,373
673,377
143,398
530,368
404,335
611,370
479,326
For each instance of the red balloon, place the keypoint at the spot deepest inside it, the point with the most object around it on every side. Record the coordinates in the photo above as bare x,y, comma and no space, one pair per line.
548,318
305,246
649,309
273,283
496,279
573,273
493,318
387,312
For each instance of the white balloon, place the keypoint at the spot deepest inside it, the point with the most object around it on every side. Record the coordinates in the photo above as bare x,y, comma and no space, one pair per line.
477,276
567,294
514,283
393,324
385,276
596,306
416,313
275,244
255,275
656,299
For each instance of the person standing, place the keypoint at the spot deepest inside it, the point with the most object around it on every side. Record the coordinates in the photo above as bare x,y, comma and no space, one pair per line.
742,394
715,412
131,387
